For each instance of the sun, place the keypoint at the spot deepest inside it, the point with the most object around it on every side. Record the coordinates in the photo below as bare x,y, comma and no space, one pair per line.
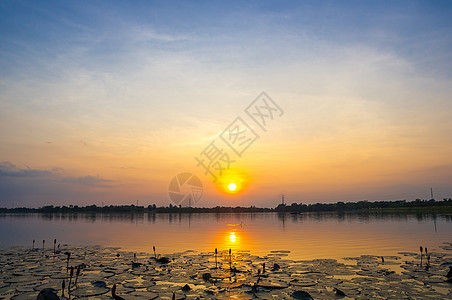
233,181
232,187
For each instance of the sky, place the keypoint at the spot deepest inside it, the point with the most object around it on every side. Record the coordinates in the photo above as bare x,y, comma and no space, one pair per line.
105,102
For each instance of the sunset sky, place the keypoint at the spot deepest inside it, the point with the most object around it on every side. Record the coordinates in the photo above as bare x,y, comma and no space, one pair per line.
104,102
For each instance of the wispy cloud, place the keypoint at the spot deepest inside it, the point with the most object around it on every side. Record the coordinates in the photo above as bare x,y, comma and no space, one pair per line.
8,169
146,34
28,186
92,181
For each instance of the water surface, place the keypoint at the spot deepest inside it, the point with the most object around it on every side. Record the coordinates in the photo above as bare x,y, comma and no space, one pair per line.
307,236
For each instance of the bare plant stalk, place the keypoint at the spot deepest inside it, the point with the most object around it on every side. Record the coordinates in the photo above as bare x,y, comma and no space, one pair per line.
77,274
420,248
63,285
67,263
70,279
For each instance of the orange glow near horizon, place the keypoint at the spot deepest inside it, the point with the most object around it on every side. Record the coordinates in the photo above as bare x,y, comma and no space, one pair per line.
233,181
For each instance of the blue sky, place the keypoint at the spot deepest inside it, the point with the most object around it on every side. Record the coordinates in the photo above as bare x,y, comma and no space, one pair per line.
108,33
91,89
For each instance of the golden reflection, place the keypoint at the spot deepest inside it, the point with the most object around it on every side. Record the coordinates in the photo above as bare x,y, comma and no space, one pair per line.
234,237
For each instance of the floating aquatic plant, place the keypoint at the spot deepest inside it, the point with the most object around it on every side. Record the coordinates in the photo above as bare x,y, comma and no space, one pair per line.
22,274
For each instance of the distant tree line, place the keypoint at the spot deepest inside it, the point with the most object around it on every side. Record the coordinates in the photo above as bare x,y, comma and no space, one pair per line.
365,205
132,209
294,207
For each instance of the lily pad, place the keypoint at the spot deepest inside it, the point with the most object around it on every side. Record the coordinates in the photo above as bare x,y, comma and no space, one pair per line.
89,290
302,295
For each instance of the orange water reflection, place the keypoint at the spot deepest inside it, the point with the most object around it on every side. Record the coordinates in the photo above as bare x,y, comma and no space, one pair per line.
307,236
234,237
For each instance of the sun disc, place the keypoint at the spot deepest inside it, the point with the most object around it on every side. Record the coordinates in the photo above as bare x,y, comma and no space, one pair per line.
233,182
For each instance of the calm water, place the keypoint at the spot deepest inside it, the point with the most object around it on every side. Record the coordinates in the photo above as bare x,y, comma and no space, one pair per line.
307,236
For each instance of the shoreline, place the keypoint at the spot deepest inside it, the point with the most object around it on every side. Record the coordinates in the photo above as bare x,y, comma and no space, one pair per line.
445,210
417,206
240,274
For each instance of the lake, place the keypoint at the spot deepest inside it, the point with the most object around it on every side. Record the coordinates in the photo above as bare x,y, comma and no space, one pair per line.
307,236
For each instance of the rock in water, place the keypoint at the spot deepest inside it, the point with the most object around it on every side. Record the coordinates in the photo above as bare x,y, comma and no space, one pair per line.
302,295
48,294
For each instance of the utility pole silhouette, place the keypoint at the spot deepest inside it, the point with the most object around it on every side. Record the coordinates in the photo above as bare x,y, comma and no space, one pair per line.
284,212
431,194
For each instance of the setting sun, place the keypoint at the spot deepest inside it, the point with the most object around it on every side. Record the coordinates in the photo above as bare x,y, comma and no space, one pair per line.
233,181
232,187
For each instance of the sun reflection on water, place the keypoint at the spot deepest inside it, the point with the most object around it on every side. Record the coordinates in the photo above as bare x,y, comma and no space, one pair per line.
233,237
